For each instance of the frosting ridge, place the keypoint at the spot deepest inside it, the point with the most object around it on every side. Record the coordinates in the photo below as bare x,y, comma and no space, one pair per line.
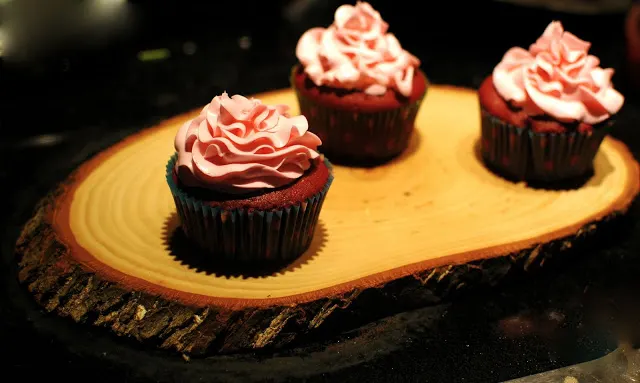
356,52
238,145
558,77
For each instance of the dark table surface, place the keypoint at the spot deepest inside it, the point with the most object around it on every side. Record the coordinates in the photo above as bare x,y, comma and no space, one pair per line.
64,100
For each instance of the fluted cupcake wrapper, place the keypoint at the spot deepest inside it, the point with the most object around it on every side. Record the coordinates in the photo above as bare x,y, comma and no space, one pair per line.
240,235
353,137
523,155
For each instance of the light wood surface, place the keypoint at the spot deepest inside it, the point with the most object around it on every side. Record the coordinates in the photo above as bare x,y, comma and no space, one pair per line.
435,202
419,216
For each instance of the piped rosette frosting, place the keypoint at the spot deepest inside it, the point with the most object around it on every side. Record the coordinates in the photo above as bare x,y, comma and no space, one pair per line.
239,145
559,78
356,52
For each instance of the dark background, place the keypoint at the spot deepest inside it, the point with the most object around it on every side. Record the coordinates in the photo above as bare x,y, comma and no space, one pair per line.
76,78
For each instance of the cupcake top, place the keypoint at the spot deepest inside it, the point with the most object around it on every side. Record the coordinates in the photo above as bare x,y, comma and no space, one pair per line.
559,78
238,145
356,52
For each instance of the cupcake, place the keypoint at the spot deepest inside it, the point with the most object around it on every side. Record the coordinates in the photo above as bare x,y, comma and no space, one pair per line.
248,181
546,110
357,87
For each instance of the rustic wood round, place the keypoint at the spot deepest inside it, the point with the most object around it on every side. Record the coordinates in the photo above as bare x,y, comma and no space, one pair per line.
100,249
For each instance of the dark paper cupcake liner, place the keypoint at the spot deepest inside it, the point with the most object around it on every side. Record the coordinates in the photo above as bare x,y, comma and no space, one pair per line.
240,235
360,137
522,155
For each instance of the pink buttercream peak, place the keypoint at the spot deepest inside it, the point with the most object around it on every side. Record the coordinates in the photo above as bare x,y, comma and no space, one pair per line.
557,76
356,52
238,145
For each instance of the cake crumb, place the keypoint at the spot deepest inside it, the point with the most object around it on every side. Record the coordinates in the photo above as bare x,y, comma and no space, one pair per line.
186,357
141,311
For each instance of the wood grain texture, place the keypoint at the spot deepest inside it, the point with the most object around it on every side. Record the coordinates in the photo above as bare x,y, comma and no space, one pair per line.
102,249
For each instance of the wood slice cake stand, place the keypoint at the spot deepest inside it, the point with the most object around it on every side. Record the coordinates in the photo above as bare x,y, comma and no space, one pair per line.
103,248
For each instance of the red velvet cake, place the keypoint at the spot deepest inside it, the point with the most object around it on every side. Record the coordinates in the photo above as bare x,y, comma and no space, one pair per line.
248,181
354,100
546,110
497,106
358,87
312,182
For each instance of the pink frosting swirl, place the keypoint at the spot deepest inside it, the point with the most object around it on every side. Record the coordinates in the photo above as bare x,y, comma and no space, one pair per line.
558,77
238,145
355,52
